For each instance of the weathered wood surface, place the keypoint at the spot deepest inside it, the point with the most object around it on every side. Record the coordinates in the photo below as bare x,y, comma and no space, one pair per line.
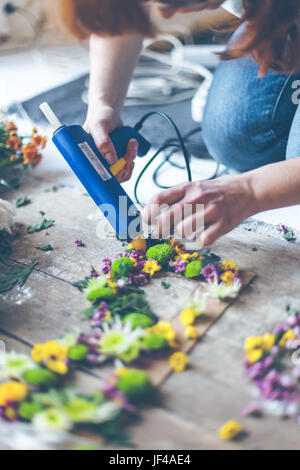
194,404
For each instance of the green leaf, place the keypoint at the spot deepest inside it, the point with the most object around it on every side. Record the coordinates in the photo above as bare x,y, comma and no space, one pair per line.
165,285
131,303
23,201
88,312
81,285
44,225
42,213
15,277
45,248
5,248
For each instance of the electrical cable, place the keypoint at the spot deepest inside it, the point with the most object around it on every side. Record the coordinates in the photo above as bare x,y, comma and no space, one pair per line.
172,144
186,154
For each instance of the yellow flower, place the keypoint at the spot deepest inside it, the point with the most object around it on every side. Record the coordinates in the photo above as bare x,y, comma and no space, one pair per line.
230,430
191,333
151,267
229,265
188,316
268,341
165,329
253,342
10,413
112,284
12,392
59,367
138,244
255,355
179,361
288,335
134,261
188,256
121,372
228,278
108,315
53,355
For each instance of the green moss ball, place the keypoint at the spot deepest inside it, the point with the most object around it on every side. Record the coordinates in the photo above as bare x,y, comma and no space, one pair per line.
162,253
155,341
122,266
101,293
28,410
40,377
136,386
78,352
193,269
138,320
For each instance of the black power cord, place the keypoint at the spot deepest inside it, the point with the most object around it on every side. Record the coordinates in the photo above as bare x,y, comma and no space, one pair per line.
171,143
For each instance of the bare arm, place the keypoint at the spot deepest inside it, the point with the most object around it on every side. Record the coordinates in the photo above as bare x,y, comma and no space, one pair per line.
112,64
228,200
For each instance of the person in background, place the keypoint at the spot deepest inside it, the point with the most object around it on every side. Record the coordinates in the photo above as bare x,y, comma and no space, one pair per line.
252,118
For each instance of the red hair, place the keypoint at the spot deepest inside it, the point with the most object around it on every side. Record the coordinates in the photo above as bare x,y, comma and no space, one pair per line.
271,33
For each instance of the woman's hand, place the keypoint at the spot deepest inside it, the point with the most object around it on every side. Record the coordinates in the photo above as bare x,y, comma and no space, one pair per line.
100,122
226,203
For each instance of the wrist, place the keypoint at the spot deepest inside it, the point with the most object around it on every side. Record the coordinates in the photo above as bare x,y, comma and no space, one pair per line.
256,200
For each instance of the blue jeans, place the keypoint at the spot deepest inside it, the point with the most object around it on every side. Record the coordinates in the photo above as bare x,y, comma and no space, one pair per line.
249,121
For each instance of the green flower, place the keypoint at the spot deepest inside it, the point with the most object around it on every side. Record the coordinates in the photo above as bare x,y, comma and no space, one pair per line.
28,410
16,365
122,266
193,269
78,352
96,290
131,354
162,253
40,377
155,341
80,410
138,320
53,419
136,386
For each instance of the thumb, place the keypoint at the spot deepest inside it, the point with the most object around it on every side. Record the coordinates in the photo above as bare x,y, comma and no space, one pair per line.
104,144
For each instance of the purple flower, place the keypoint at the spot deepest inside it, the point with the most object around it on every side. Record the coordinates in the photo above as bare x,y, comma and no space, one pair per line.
79,243
252,410
209,272
179,266
279,329
283,228
106,265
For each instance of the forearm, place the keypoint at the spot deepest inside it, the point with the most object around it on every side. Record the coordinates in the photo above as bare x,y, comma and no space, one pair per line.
112,64
274,186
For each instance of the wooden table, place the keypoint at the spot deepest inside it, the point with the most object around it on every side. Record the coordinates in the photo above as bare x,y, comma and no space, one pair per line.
194,404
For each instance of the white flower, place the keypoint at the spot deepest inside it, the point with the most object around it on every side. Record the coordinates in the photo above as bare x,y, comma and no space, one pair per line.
106,412
16,365
197,302
70,338
53,419
117,338
7,212
222,291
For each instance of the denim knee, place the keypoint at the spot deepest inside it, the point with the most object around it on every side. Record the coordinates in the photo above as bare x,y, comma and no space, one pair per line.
293,147
247,119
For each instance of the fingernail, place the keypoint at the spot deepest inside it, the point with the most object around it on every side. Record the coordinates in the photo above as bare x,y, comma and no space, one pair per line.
135,145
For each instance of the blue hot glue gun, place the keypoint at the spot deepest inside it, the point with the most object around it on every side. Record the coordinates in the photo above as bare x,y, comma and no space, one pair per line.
79,150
